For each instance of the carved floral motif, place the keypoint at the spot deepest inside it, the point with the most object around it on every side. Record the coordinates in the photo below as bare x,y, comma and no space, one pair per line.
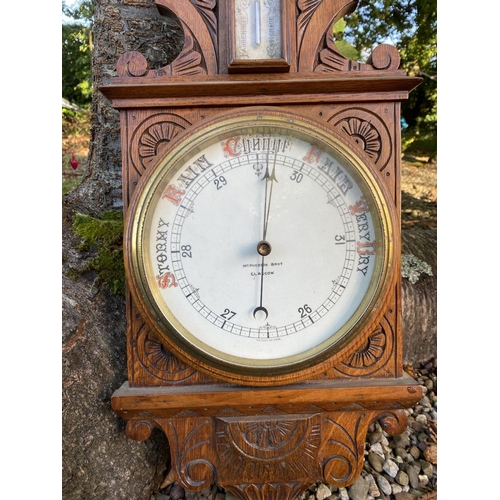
152,137
155,138
384,57
158,361
192,451
373,355
364,134
343,447
206,9
255,448
367,131
267,491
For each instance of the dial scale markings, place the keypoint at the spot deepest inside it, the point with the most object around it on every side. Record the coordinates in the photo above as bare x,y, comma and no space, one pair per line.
292,164
263,244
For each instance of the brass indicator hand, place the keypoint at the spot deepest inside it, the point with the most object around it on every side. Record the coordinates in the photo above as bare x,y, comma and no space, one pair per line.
267,178
264,247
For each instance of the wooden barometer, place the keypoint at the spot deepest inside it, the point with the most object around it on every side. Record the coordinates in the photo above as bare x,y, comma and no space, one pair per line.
261,184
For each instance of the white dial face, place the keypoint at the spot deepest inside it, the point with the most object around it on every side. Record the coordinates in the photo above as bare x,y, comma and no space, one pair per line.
262,246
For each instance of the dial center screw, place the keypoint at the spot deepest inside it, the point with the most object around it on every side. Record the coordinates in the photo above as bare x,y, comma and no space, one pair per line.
264,248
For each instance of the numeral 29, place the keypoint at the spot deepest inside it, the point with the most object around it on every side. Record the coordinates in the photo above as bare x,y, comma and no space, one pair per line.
220,182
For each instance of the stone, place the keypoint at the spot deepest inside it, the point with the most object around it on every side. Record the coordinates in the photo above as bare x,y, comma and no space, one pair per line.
427,468
384,485
373,490
390,468
176,492
421,419
161,496
404,496
378,449
425,402
375,437
422,445
413,477
402,440
343,495
430,453
322,492
359,489
423,479
376,461
415,452
396,488
206,492
422,437
402,478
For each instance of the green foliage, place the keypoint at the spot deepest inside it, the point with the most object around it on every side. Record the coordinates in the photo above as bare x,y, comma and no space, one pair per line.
106,235
82,10
76,64
76,122
77,52
411,25
345,48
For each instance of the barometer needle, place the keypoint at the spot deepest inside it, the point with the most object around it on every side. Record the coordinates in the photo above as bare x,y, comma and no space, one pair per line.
271,178
264,248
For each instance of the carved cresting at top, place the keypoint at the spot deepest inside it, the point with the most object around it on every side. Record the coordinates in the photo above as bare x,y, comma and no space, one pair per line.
309,40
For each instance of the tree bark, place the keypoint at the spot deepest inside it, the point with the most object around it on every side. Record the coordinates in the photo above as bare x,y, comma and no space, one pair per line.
419,300
99,461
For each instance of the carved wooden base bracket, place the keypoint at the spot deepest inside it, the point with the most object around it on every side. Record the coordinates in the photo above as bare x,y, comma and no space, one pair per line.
272,451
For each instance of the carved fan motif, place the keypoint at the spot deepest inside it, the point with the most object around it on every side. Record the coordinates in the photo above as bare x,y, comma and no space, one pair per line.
367,131
152,137
154,140
158,361
364,134
255,448
373,355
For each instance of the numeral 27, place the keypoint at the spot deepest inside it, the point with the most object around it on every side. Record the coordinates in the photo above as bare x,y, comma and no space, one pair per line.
227,314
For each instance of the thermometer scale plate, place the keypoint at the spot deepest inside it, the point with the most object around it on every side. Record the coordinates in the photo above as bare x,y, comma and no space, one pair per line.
259,38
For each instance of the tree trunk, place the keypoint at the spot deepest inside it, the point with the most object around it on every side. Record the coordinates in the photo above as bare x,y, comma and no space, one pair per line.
420,299
99,461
